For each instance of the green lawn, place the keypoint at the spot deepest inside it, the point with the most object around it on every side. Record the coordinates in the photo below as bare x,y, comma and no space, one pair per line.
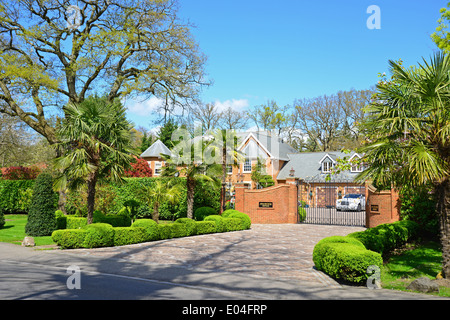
14,231
421,261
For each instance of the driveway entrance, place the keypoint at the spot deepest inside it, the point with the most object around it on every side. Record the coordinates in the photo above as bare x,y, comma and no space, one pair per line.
279,252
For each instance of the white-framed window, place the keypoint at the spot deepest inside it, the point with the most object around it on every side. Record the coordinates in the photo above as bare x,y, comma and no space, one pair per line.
247,166
326,166
357,168
158,167
229,169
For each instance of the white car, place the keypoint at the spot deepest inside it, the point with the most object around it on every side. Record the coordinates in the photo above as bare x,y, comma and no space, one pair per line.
351,201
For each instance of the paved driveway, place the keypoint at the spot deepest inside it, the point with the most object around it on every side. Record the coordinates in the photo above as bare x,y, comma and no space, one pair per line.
281,252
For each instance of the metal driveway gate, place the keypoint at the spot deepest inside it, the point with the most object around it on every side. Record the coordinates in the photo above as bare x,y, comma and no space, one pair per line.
318,198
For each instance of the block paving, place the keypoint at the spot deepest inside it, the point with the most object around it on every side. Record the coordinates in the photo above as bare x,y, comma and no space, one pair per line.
282,252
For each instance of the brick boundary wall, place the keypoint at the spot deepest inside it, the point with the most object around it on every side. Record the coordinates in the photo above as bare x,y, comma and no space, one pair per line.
282,197
381,206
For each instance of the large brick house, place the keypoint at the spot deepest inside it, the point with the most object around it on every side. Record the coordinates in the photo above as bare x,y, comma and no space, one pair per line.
282,162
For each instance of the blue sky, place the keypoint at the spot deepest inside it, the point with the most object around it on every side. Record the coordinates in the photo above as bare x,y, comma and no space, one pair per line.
260,50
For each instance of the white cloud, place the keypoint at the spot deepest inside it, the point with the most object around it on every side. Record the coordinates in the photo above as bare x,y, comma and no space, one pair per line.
234,104
146,108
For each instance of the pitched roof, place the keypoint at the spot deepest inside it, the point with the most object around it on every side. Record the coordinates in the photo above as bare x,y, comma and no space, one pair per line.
308,167
273,144
155,150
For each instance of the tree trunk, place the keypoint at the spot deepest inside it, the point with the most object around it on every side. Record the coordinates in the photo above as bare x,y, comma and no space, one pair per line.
224,178
92,181
190,186
155,215
443,209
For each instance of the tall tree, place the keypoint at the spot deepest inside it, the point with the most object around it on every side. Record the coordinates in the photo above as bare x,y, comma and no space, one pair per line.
408,127
95,143
52,54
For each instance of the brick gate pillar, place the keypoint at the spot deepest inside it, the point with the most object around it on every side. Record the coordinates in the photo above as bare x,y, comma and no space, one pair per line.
382,206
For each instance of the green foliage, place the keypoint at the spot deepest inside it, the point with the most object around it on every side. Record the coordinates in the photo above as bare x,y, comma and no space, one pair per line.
129,235
386,237
41,217
116,220
98,235
190,225
201,213
348,258
143,230
245,219
15,195
75,222
69,238
266,181
2,217
347,261
419,204
301,214
205,227
150,227
218,220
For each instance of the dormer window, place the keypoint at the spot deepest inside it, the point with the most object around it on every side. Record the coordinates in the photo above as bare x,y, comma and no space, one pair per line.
356,165
327,166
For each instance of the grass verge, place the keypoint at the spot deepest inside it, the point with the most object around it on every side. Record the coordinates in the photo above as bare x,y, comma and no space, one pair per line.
14,231
412,262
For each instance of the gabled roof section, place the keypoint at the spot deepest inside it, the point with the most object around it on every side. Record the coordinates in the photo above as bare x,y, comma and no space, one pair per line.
155,150
328,156
269,143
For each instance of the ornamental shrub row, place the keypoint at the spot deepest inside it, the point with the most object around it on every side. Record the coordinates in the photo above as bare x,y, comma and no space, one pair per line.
142,230
348,258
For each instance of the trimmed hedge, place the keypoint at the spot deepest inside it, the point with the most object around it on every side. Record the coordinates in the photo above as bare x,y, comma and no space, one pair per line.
69,239
129,235
387,237
150,227
245,219
98,235
201,213
206,227
143,230
347,258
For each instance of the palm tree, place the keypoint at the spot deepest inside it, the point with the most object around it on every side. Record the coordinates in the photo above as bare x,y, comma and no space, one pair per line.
95,140
408,126
224,144
186,163
160,192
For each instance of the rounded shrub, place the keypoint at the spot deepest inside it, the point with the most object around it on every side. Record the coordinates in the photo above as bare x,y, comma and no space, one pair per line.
190,225
129,235
98,235
201,213
75,222
69,239
150,227
321,247
218,220
246,222
206,227
41,216
347,261
232,224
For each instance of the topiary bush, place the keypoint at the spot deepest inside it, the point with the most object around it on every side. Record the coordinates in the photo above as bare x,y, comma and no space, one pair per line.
201,213
190,225
232,224
205,227
41,217
218,220
98,235
245,219
386,237
150,227
69,239
347,261
129,235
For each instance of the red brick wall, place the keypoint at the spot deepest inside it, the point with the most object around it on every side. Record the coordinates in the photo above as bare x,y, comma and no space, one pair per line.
387,203
283,197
